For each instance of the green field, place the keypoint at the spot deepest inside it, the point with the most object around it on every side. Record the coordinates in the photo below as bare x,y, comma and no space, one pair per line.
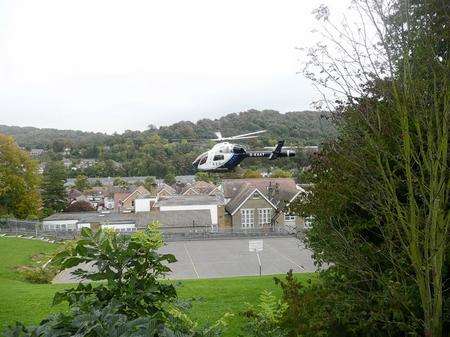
29,303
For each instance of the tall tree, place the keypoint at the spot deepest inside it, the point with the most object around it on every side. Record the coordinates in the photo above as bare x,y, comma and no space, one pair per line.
54,193
82,183
381,195
19,181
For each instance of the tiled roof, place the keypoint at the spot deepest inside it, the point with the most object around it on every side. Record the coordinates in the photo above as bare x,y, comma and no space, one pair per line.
278,190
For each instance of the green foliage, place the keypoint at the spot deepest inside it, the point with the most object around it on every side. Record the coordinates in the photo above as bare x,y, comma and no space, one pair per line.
157,151
131,302
120,183
150,184
82,183
170,178
208,177
264,320
19,181
53,190
279,173
38,274
251,174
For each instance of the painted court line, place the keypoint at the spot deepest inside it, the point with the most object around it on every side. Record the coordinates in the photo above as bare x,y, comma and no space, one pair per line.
190,258
284,256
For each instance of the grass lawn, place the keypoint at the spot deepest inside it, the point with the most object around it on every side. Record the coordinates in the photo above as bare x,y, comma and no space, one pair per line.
29,303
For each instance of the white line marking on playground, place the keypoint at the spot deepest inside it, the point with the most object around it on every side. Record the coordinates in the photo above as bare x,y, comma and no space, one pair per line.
285,257
190,258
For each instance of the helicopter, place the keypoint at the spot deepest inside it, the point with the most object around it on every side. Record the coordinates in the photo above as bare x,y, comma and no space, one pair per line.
226,156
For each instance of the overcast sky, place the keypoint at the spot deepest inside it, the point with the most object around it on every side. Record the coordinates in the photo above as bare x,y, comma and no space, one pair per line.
106,65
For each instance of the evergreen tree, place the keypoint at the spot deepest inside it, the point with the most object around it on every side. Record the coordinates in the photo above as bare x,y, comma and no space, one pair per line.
53,190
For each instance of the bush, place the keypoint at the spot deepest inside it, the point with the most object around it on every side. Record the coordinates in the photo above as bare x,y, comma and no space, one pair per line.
131,300
38,274
264,320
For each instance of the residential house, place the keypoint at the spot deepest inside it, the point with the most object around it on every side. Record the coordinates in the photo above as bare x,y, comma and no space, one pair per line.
201,188
125,202
260,203
165,190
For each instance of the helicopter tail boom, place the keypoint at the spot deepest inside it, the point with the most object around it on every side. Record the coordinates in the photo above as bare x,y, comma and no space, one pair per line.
278,152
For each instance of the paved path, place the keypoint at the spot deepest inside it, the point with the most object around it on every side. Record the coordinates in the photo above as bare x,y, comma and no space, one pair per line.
225,258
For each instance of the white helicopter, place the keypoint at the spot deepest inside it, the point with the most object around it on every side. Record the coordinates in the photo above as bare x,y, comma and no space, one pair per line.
226,156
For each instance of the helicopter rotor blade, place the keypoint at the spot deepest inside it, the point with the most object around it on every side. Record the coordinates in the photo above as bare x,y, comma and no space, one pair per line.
242,136
249,134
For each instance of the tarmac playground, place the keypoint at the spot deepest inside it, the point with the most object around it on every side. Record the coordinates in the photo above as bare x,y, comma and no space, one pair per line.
230,257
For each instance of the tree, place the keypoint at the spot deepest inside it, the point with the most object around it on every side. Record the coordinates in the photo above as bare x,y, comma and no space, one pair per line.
381,193
170,178
19,181
82,183
279,173
54,194
208,177
150,184
120,183
252,174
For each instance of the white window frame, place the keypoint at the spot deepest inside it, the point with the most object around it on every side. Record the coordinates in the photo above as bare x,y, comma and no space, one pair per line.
289,217
264,216
247,218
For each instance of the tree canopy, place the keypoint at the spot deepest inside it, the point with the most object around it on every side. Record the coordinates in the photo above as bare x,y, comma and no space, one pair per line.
19,181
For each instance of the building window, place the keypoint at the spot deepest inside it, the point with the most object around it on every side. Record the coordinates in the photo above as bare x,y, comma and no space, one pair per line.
248,218
264,216
289,217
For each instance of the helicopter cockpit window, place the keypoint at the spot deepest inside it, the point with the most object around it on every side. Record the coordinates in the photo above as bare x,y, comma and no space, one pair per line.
203,159
218,157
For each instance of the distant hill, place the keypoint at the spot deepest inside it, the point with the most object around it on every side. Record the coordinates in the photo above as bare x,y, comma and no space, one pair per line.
164,150
309,127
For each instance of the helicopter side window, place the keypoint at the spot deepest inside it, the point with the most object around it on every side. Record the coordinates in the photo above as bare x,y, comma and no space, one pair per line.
238,149
218,157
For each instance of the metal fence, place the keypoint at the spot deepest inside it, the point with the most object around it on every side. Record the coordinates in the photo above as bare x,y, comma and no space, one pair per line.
26,228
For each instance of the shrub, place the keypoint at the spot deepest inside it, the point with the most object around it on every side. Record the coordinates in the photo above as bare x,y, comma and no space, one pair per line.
38,274
131,300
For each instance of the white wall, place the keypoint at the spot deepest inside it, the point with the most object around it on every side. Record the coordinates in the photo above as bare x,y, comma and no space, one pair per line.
143,205
121,227
59,225
211,208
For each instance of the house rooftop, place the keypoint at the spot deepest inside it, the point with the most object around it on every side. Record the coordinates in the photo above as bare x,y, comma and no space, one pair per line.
186,200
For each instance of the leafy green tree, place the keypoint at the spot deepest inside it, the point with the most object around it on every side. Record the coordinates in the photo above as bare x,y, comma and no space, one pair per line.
279,173
170,178
82,183
19,181
252,174
381,190
132,300
150,184
54,194
208,177
120,183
